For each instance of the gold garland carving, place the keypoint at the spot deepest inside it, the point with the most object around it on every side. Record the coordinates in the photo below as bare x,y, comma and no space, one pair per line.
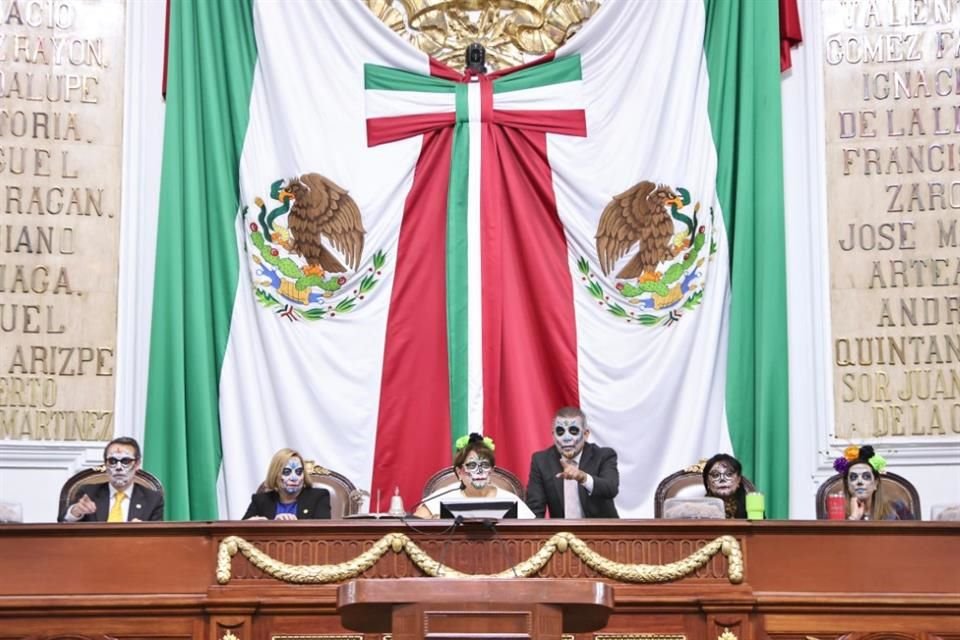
511,30
559,542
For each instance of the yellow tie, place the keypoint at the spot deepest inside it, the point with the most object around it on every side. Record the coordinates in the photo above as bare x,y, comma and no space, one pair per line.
116,511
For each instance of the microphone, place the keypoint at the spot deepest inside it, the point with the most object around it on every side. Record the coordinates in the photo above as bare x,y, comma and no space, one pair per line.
433,496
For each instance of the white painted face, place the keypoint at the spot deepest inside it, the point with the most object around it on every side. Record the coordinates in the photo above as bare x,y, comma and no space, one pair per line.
862,480
291,476
569,435
475,471
722,480
122,464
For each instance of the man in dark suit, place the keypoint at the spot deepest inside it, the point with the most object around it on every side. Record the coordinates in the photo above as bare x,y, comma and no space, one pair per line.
573,478
120,499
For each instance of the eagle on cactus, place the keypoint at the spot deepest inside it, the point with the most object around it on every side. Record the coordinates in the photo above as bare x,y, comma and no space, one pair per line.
638,216
321,208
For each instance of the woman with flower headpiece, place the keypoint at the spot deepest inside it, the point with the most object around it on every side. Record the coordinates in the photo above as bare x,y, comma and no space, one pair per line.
863,488
473,465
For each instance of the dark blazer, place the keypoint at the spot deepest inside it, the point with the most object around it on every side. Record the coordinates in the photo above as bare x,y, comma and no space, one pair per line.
312,504
545,490
145,504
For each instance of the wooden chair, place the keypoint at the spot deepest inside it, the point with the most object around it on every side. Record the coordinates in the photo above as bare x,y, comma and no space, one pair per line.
98,475
500,477
686,483
345,498
894,488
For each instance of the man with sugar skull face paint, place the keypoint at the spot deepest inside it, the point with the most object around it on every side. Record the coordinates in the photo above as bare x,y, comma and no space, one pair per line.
287,493
120,499
573,473
473,464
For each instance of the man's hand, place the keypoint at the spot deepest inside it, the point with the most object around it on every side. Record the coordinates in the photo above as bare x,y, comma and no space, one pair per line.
571,472
82,507
285,516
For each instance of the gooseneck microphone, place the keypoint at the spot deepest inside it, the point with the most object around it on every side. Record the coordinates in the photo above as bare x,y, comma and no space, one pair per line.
433,496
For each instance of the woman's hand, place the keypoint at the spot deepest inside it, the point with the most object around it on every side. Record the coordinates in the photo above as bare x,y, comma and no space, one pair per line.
857,508
285,516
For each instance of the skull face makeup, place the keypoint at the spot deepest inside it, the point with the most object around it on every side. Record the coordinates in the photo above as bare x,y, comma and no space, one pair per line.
475,472
291,477
861,481
569,435
122,464
723,480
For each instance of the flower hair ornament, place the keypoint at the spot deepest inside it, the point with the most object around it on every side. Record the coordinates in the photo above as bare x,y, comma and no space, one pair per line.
463,441
865,453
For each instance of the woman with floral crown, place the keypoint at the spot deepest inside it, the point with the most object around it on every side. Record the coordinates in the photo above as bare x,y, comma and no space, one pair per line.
473,465
861,469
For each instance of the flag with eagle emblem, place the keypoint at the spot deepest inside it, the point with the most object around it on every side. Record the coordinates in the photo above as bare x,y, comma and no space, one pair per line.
385,253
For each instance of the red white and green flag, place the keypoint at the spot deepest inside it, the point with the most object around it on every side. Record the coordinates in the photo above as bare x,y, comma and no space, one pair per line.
364,254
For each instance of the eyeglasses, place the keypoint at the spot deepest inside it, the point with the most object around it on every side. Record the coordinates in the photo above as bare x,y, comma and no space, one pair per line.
126,463
723,475
473,465
287,471
560,430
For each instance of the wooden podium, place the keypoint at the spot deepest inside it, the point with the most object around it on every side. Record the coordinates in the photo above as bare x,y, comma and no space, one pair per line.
444,609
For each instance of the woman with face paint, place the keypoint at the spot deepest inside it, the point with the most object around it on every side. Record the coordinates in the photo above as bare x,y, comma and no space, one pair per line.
863,488
722,479
289,494
473,465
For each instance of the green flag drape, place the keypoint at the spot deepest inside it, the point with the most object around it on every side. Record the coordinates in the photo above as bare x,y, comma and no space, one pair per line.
210,73
742,48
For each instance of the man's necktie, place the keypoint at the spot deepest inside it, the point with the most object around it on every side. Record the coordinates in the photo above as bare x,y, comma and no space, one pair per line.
116,511
571,497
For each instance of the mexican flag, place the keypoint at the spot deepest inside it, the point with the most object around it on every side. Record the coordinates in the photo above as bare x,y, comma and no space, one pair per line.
364,254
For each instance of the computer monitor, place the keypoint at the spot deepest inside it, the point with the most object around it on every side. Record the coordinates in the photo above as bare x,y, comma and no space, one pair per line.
479,510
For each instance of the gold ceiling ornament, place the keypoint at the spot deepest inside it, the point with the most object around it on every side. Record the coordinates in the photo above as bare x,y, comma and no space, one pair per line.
228,636
727,635
511,31
558,543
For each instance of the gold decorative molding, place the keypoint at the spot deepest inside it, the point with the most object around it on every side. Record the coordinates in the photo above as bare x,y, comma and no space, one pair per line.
639,636
512,31
229,636
727,635
559,542
354,636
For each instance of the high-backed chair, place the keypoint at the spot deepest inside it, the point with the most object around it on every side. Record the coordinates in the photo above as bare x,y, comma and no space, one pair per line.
345,498
499,477
894,488
686,483
98,475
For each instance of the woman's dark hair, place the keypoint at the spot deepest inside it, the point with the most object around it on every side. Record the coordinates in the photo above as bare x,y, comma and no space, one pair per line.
475,443
740,494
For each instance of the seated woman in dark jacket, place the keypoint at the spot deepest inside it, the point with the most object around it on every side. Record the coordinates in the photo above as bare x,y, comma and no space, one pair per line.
289,494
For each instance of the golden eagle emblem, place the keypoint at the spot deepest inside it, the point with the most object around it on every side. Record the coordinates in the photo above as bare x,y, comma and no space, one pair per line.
295,274
322,208
639,215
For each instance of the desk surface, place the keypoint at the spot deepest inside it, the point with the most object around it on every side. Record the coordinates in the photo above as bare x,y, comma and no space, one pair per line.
794,571
779,556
